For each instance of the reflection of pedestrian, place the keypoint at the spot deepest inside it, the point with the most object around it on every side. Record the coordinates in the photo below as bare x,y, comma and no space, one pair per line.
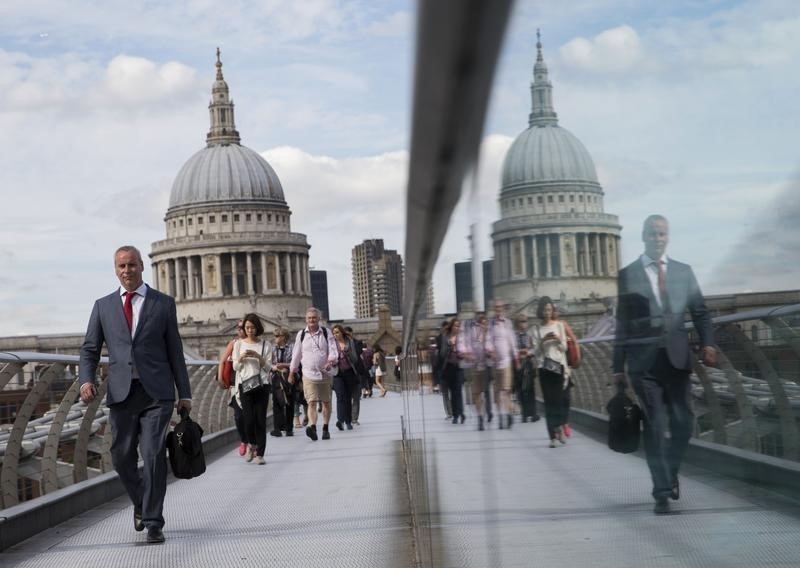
502,350
379,362
652,347
551,348
139,326
450,356
525,376
438,369
475,338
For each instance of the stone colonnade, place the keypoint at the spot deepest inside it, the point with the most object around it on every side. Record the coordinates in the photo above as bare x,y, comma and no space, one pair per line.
556,255
192,277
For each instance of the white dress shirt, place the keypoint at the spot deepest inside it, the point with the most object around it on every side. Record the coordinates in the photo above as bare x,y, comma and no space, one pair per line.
651,269
501,343
136,303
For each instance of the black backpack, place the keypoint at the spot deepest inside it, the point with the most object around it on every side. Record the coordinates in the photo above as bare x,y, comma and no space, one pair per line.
624,419
185,447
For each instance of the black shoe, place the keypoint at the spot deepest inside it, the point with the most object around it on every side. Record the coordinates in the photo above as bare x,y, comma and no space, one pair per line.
462,418
524,419
455,420
339,425
137,519
662,506
535,418
326,435
154,535
489,418
311,432
676,491
480,423
289,433
510,421
276,433
349,426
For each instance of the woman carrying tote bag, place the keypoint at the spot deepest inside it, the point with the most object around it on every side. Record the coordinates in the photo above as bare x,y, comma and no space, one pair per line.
252,360
550,351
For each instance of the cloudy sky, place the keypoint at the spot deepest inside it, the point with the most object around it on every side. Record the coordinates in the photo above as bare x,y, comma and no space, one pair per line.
689,108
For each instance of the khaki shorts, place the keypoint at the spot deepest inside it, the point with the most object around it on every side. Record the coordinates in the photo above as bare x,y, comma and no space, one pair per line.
477,380
317,391
503,379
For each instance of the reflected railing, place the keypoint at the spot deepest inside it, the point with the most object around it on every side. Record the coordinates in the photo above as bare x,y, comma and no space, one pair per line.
49,439
751,400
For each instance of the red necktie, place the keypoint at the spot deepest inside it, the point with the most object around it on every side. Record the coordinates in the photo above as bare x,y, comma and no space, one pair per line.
128,309
662,285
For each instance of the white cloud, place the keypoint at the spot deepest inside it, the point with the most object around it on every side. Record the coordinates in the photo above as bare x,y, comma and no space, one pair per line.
617,50
135,80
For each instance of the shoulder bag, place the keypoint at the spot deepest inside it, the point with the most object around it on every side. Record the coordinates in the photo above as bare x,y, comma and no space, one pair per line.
256,381
549,364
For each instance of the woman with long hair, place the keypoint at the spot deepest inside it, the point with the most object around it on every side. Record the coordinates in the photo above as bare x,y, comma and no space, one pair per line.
252,356
347,380
225,360
450,355
551,347
379,362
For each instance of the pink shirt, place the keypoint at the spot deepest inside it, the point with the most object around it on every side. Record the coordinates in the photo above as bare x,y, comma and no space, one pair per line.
501,344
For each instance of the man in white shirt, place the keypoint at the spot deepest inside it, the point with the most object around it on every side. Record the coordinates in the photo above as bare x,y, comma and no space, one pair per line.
501,350
316,352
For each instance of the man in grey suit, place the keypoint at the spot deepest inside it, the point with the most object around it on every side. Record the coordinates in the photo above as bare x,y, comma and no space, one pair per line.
653,296
139,326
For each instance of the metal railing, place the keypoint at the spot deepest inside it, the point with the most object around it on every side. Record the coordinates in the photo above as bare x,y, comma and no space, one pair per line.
751,400
49,439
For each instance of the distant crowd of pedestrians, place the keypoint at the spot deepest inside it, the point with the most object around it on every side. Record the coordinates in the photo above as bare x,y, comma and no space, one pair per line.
300,377
497,364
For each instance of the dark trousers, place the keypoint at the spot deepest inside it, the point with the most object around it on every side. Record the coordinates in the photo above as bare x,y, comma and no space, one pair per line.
567,401
663,394
553,395
282,414
525,384
355,398
344,384
254,409
454,380
139,429
238,419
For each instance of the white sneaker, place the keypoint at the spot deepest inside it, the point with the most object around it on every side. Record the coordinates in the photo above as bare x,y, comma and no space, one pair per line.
260,460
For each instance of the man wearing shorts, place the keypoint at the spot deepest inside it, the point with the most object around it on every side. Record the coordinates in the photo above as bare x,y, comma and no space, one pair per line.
316,353
501,350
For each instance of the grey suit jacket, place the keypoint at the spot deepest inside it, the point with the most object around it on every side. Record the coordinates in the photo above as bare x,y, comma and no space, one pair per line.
156,348
643,327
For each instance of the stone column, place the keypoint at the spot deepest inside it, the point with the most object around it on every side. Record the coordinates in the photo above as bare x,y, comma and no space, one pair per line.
178,276
264,280
190,277
203,284
548,266
220,291
277,267
249,284
234,275
598,253
307,275
587,267
603,238
534,251
154,269
288,266
168,287
298,282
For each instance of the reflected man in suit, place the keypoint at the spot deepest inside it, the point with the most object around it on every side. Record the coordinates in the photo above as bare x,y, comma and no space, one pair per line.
653,296
139,327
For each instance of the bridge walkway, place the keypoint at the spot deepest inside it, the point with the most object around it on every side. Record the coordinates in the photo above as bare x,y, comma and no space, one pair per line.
497,498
